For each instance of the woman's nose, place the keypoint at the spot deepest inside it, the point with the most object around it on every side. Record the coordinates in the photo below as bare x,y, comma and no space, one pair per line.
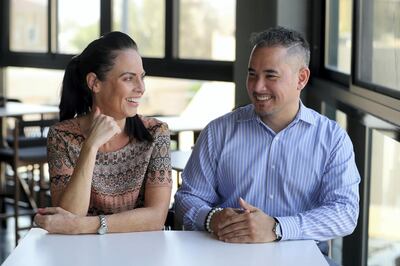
140,87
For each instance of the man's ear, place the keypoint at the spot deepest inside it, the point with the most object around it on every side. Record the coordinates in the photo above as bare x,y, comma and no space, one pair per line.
92,82
304,75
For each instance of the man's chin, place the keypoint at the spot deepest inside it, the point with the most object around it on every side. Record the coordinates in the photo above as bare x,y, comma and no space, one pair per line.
263,111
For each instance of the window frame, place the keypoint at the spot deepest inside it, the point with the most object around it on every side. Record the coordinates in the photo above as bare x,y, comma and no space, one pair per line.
168,66
374,91
325,72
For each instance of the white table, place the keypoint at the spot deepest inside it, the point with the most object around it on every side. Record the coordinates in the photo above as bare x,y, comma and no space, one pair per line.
179,159
172,248
178,124
17,109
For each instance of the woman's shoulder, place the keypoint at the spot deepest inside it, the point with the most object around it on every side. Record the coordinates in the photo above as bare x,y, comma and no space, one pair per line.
153,125
70,126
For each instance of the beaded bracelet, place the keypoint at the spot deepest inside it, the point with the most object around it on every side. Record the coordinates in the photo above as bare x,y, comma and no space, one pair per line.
209,216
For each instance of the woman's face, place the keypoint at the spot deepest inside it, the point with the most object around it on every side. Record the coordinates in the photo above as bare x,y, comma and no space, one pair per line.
120,93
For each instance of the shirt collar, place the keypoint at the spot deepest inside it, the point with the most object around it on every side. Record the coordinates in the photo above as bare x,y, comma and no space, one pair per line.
247,113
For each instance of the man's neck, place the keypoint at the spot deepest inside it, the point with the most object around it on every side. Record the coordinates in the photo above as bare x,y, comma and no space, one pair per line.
278,122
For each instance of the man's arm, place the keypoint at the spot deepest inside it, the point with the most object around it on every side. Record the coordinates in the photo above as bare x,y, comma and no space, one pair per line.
338,196
198,194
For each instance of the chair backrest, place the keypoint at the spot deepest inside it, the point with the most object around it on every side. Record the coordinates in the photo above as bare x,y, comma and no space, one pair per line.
35,128
31,133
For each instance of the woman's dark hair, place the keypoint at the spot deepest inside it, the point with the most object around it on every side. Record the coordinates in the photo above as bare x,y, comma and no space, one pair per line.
98,57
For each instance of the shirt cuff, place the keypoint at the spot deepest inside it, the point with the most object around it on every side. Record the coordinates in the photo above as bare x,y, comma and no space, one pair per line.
201,217
290,227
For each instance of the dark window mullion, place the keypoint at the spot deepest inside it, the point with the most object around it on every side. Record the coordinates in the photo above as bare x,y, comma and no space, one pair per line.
5,26
171,29
105,16
50,48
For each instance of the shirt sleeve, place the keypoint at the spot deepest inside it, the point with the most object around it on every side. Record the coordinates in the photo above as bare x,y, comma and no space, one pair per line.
198,195
159,168
338,196
60,165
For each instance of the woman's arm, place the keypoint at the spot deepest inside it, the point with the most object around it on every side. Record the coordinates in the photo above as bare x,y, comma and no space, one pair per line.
149,218
75,196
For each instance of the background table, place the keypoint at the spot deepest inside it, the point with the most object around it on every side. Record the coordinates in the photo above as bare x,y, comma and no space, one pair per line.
17,109
172,248
178,163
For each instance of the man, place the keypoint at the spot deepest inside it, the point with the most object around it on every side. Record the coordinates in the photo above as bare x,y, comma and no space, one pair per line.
274,169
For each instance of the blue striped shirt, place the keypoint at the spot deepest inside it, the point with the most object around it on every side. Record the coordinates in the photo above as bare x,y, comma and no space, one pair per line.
305,175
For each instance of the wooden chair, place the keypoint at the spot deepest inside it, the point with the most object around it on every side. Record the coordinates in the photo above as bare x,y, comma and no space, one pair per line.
25,151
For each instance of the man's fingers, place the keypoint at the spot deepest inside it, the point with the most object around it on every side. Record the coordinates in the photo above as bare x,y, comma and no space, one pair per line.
246,206
239,239
233,219
232,230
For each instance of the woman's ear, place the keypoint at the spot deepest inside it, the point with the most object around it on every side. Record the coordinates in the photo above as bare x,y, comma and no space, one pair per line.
92,82
304,75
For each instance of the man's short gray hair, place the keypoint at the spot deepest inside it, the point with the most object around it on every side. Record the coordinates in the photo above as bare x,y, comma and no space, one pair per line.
280,36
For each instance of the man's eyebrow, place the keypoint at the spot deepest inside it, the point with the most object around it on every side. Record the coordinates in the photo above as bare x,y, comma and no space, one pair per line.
270,71
267,71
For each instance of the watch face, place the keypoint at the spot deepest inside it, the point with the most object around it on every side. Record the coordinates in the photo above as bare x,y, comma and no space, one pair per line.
278,231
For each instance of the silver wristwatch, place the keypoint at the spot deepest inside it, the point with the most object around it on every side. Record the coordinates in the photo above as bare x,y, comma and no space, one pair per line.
103,229
277,230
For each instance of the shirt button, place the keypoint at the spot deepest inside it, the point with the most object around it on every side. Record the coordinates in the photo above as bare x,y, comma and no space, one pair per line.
277,138
271,196
273,166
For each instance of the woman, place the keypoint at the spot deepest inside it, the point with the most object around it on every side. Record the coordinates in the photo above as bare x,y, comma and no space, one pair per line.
110,168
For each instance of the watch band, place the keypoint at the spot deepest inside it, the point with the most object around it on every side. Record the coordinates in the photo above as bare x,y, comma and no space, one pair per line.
103,229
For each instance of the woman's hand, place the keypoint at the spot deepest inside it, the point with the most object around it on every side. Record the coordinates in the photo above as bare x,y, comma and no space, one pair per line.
56,220
102,129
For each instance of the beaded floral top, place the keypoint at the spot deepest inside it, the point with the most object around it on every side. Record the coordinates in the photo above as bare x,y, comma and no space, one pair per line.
119,177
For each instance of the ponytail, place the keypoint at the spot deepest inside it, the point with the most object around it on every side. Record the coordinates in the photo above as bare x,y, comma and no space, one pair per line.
76,98
135,127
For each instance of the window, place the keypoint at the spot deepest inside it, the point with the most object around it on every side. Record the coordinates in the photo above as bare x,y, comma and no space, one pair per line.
28,25
384,203
207,29
184,97
154,24
78,24
144,21
338,35
34,85
378,53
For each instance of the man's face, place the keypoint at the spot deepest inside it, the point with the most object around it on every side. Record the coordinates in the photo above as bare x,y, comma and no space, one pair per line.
274,82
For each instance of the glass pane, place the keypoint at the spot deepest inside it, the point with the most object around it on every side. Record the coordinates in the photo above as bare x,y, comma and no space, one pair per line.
384,208
207,29
34,85
379,56
338,35
144,21
78,24
182,97
28,25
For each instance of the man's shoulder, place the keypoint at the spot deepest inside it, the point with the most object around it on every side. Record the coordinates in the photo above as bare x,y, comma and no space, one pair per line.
324,123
